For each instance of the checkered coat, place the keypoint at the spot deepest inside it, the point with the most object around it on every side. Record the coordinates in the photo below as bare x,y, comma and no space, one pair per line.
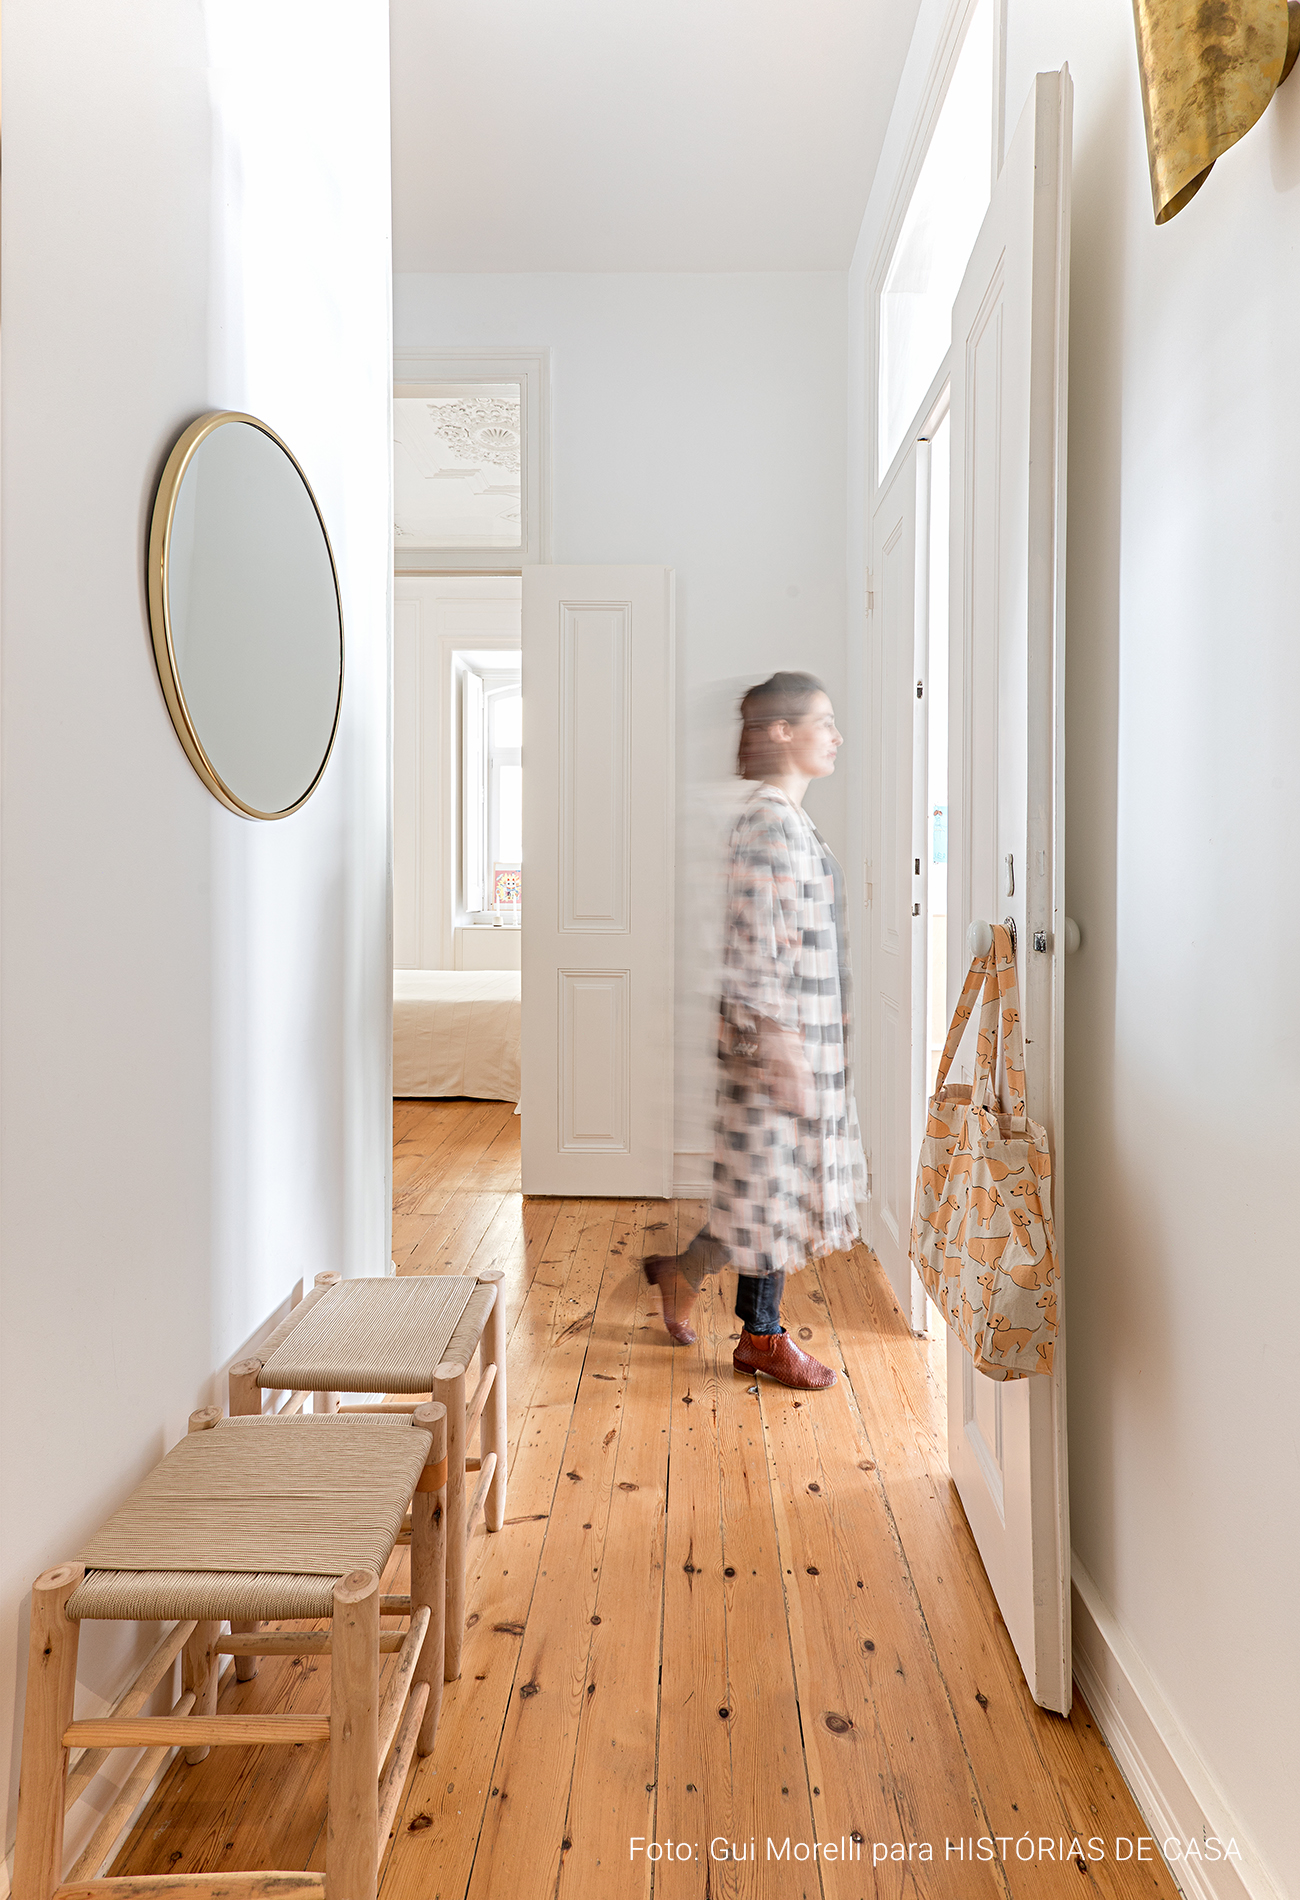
785,1186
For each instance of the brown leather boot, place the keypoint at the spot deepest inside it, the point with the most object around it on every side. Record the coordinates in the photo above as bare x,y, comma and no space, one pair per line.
677,1293
777,1355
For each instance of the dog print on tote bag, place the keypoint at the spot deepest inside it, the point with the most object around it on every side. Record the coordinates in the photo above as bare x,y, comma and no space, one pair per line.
982,1234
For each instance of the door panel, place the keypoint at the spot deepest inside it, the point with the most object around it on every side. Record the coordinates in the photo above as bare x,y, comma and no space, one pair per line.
595,1061
596,754
598,951
1006,780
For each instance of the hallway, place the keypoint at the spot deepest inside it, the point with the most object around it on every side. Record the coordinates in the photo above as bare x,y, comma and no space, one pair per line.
714,1614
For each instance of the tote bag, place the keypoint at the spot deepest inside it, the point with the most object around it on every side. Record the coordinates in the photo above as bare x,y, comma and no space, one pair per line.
982,1234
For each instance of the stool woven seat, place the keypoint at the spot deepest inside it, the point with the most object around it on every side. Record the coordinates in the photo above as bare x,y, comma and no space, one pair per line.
149,1596
381,1335
318,1497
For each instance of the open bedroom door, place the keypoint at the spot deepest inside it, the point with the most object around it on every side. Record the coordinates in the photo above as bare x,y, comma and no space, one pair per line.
1006,1441
599,827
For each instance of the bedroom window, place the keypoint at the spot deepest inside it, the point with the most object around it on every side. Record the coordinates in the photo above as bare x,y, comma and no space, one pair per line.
492,789
505,720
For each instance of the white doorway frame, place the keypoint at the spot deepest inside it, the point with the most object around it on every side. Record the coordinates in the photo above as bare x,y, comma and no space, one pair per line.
437,804
923,1311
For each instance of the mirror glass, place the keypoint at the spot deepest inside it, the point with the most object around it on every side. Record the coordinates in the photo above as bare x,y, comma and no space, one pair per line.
252,634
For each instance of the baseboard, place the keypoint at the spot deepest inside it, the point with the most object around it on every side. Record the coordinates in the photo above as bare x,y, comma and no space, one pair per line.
1174,1790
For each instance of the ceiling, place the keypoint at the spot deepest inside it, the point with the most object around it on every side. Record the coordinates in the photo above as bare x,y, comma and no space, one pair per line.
638,135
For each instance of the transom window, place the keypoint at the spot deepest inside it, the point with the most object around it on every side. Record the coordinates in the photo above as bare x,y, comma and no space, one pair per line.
936,238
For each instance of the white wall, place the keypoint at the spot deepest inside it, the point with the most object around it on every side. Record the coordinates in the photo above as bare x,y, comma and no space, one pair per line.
1183,804
698,422
195,1008
729,137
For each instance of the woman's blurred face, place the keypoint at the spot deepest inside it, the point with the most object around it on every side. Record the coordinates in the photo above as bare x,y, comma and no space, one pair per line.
814,740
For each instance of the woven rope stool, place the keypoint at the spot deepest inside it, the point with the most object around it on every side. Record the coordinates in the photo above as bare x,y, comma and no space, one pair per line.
247,1518
412,1335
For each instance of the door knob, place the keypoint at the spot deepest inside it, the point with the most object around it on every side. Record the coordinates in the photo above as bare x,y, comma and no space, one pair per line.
979,936
979,939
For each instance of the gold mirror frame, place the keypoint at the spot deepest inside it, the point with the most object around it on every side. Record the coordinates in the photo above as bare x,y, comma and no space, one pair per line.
160,534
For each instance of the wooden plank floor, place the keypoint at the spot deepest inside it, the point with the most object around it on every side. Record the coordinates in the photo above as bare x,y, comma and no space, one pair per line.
715,1614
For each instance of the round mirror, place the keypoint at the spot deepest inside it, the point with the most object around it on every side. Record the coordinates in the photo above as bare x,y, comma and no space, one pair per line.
244,608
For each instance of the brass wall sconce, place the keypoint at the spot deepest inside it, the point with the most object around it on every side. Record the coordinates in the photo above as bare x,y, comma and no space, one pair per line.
1209,69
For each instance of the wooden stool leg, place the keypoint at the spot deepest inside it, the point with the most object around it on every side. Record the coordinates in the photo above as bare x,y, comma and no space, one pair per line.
245,1392
51,1680
245,1666
449,1390
494,1432
352,1838
201,1671
245,1402
429,1566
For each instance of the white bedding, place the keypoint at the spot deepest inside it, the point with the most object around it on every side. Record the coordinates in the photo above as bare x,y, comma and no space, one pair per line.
456,1032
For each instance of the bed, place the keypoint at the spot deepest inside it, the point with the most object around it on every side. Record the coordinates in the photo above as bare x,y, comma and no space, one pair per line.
456,1032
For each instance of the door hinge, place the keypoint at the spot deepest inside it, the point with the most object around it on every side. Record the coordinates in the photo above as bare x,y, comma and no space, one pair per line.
920,689
916,910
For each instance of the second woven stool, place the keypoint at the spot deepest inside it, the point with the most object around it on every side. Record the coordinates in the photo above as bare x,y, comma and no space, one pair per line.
414,1335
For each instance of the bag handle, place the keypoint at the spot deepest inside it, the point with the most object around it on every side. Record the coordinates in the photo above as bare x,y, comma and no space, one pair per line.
997,973
986,1042
1013,1041
1002,1006
960,1017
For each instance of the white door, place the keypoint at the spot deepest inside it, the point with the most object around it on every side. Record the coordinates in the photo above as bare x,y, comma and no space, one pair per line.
896,984
1006,1442
597,1102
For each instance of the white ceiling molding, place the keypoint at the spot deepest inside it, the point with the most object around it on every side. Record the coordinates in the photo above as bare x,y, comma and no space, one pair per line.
499,453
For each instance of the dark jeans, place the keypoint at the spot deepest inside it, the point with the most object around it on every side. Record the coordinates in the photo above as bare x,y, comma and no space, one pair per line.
758,1301
758,1296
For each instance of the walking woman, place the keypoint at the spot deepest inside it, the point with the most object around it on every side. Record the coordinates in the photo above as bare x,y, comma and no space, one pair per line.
788,1168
